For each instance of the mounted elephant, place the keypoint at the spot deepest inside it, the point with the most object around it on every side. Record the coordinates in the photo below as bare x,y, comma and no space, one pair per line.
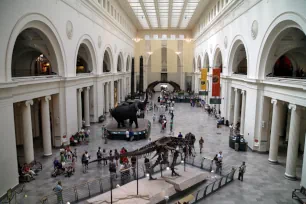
129,111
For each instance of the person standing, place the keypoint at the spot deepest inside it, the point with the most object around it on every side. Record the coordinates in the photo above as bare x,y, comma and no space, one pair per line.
104,157
99,155
133,161
58,191
242,169
131,135
171,126
201,142
180,135
127,134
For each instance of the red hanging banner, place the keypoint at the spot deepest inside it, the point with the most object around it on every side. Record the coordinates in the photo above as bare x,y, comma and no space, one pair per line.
216,82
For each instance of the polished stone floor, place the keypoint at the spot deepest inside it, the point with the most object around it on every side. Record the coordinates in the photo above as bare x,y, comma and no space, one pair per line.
263,183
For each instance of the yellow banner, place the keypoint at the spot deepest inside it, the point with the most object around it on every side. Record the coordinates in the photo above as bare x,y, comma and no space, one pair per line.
203,78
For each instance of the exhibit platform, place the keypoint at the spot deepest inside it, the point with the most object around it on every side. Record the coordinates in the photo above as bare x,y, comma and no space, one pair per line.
142,132
154,191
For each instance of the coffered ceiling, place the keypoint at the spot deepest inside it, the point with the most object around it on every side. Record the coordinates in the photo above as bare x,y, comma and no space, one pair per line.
163,14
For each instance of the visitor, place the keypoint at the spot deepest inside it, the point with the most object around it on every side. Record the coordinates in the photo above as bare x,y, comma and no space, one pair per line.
112,169
220,156
127,134
87,134
134,161
171,126
99,155
111,155
201,142
147,164
104,157
242,169
27,170
85,160
58,191
180,135
117,155
154,118
75,154
55,163
131,135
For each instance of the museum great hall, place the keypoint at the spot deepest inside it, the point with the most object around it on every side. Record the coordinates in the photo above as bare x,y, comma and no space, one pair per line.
64,64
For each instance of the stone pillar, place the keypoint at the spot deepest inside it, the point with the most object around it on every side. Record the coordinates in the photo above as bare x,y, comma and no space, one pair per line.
236,106
46,130
79,91
274,138
86,107
118,91
27,132
111,94
242,118
293,143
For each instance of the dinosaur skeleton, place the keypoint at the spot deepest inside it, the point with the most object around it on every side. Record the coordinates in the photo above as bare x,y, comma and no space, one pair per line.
162,147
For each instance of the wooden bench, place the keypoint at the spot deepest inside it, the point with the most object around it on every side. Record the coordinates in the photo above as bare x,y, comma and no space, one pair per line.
299,194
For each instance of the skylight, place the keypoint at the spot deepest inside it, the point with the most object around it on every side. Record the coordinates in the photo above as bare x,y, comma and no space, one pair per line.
163,14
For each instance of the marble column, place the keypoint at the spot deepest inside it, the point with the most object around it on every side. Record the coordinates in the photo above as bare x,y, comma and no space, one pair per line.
118,91
27,132
80,108
293,143
107,96
236,106
242,118
86,107
46,128
274,137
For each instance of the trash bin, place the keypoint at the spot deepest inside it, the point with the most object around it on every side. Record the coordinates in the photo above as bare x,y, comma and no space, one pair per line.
236,146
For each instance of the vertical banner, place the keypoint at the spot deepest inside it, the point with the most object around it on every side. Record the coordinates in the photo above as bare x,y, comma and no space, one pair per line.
216,82
203,79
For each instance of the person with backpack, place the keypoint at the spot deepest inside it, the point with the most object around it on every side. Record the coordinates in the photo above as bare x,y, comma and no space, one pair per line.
99,155
112,169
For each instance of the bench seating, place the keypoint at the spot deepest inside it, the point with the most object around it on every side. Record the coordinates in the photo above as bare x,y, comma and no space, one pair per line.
299,194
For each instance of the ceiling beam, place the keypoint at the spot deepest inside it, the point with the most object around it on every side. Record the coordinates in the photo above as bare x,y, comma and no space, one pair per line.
182,14
157,13
145,13
170,13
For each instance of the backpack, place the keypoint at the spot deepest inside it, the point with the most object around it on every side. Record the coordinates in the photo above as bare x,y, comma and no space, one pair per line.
99,154
83,158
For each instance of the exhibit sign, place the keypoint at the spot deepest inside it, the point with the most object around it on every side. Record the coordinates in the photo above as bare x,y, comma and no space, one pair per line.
215,101
203,79
216,82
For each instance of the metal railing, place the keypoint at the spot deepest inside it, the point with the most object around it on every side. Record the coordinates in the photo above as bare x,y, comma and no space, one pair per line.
97,186
11,196
213,187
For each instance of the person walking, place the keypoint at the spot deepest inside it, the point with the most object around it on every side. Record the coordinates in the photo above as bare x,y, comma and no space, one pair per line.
127,134
201,142
171,126
99,155
58,191
242,169
104,157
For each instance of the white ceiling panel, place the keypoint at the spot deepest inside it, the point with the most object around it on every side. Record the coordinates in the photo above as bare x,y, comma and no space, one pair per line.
165,14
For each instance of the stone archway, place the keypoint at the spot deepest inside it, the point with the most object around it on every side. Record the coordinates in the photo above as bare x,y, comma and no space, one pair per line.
107,60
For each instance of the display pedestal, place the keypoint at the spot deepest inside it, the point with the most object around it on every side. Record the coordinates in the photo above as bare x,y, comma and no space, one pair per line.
154,191
142,132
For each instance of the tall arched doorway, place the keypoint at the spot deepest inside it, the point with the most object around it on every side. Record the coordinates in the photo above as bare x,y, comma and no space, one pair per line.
33,55
107,61
239,63
84,61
